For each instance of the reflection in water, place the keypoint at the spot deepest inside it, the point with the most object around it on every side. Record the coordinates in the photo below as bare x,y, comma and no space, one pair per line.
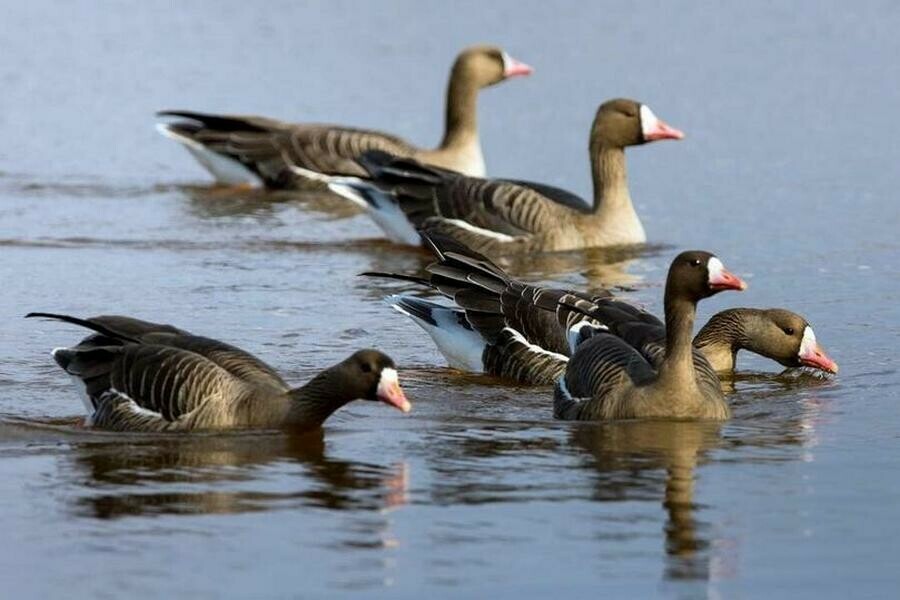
601,268
234,201
228,474
627,454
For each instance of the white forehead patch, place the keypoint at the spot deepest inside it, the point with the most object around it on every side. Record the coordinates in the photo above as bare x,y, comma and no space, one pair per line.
388,378
507,61
715,268
649,121
808,344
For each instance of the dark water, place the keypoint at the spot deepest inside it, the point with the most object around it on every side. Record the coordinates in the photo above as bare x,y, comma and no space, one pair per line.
789,173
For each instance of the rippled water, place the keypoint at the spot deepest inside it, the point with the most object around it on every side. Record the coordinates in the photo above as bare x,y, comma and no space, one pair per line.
789,173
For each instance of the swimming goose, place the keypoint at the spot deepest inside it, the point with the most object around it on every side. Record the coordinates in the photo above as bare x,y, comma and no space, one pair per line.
500,216
523,333
642,370
259,151
141,376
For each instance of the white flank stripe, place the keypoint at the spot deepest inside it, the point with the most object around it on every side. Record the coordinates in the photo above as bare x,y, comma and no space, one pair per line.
135,407
348,190
481,231
534,347
312,175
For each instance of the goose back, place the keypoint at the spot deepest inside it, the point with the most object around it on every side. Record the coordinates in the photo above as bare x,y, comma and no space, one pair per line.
113,330
145,387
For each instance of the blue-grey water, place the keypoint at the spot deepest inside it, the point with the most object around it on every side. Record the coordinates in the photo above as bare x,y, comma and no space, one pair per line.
789,172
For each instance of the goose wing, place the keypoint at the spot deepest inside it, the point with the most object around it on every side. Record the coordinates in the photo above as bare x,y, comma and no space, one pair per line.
165,383
642,331
513,357
601,367
501,207
493,300
269,148
111,330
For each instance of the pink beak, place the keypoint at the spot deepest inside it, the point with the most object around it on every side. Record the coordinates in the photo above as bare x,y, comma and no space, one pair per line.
663,131
726,280
390,392
815,357
514,68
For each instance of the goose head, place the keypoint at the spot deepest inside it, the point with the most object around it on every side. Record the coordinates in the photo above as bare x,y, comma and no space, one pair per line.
697,274
787,338
622,122
488,65
372,375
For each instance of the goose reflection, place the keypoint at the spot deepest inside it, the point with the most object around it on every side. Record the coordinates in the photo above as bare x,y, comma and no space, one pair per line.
627,454
597,268
630,458
235,201
228,474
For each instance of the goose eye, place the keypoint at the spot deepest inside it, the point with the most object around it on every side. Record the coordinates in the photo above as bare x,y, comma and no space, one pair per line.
695,262
789,330
366,368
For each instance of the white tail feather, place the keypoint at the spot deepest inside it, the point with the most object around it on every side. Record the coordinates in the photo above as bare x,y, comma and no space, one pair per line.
224,169
462,347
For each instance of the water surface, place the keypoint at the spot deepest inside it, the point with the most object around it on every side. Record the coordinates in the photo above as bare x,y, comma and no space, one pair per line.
789,173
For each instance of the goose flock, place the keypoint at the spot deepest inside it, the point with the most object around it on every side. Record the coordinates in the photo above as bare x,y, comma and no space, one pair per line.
604,357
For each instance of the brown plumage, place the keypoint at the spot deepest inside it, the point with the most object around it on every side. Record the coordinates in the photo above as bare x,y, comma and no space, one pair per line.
528,336
495,317
500,216
639,371
267,149
142,376
775,333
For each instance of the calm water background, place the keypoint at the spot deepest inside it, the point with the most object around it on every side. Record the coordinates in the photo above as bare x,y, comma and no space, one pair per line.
789,172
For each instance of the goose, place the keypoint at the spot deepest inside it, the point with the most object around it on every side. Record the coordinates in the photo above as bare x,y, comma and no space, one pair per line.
259,150
145,377
503,327
642,370
503,216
